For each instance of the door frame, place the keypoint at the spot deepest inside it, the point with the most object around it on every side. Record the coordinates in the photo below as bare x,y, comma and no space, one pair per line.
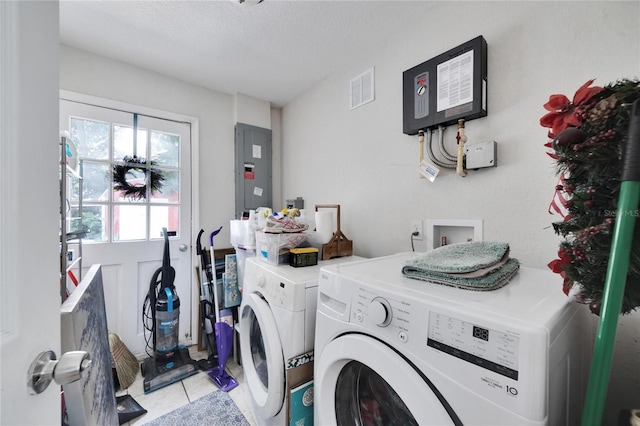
195,172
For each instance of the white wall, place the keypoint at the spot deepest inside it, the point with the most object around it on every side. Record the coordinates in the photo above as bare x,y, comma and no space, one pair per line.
361,159
255,112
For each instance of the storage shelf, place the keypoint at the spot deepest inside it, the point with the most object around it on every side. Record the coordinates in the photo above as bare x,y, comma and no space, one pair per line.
68,174
77,261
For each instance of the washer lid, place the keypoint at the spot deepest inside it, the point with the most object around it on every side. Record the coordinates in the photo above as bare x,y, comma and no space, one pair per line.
307,275
532,295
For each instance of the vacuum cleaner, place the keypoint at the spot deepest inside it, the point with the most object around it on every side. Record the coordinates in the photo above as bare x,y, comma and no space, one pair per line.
169,362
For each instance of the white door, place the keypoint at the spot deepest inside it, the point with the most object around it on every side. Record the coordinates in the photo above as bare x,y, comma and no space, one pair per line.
125,232
29,201
359,379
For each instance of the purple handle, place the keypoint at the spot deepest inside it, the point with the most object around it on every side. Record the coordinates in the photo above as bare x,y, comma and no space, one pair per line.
213,234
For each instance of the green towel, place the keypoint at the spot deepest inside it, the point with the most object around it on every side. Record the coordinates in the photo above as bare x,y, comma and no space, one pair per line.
490,281
461,257
481,265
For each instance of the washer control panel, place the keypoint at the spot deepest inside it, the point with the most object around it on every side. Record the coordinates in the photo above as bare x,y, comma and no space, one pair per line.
382,313
494,350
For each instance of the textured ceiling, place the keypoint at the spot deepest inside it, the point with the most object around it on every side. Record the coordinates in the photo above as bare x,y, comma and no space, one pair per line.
272,51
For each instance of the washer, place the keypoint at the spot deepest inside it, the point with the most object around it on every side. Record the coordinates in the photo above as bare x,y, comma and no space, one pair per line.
395,350
277,324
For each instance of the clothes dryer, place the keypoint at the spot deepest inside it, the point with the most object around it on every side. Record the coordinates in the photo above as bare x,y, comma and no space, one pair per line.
277,330
394,350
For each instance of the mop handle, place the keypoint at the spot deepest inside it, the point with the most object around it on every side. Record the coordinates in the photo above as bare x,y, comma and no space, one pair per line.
617,269
213,273
213,234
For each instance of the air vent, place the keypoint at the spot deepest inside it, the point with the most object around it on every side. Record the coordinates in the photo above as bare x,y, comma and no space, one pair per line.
361,89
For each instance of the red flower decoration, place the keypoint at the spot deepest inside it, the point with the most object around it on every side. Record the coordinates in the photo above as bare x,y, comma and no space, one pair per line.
550,150
557,266
562,112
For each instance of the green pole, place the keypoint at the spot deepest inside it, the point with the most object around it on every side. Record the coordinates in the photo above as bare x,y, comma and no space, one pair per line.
616,278
611,303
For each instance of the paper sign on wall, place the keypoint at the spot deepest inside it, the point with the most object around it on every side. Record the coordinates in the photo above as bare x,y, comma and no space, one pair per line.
257,191
257,151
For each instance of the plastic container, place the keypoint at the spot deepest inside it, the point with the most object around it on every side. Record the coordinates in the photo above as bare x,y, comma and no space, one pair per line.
300,257
242,233
274,248
241,257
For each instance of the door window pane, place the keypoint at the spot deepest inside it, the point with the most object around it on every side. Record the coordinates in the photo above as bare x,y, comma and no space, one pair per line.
73,189
165,149
136,180
163,217
91,138
170,191
95,181
94,222
73,219
123,142
129,222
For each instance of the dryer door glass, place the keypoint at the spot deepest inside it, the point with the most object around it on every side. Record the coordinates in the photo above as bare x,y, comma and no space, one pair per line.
361,380
365,398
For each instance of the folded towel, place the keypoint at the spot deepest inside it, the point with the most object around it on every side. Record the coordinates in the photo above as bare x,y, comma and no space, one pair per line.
481,265
461,257
494,279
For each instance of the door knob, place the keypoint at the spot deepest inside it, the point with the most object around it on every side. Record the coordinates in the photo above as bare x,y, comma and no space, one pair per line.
71,366
183,247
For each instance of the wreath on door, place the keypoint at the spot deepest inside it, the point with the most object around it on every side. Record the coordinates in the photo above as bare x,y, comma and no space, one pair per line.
154,178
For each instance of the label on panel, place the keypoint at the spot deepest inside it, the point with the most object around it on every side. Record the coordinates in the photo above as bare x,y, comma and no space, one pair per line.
455,81
257,151
421,95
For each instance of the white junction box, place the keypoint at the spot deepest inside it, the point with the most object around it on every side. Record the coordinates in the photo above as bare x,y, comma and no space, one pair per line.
480,155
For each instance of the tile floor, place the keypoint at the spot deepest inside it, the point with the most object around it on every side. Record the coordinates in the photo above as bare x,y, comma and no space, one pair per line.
188,390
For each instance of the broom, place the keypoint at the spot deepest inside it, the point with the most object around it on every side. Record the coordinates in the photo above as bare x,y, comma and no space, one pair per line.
125,362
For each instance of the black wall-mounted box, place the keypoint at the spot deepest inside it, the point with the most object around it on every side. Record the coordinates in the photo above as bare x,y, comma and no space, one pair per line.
446,88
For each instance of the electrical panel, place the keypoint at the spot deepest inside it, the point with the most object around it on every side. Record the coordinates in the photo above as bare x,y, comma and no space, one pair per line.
446,88
252,168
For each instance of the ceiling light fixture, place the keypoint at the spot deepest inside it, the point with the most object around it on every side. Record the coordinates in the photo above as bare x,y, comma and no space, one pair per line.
247,2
